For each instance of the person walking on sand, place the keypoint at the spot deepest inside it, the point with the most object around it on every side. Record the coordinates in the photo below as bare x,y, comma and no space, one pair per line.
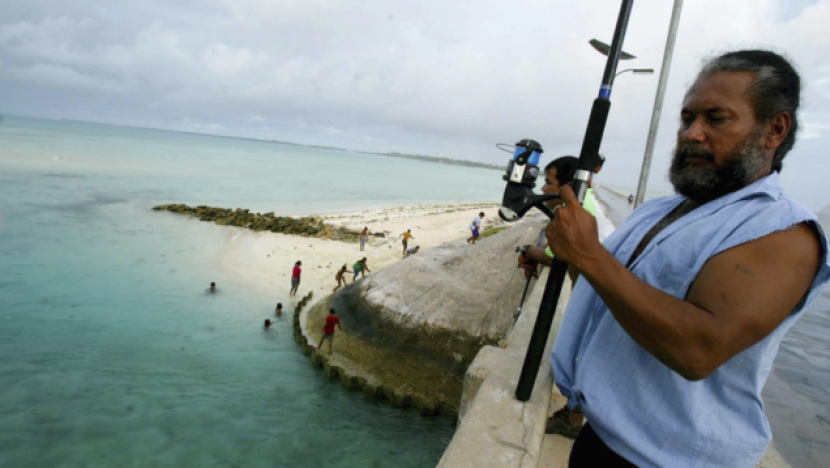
340,278
406,236
412,251
295,278
359,268
364,236
328,329
475,227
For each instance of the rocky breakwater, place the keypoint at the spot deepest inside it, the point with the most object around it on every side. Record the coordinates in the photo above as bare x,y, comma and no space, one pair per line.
411,330
309,226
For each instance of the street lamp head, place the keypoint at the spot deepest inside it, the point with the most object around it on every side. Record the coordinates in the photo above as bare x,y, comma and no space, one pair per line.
604,49
643,71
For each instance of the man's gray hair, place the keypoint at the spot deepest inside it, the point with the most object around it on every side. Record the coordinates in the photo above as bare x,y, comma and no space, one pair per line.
777,89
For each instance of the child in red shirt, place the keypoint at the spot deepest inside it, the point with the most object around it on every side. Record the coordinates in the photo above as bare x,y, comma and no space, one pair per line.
328,329
295,278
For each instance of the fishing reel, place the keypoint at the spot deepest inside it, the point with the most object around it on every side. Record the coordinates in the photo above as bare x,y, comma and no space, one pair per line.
522,172
522,248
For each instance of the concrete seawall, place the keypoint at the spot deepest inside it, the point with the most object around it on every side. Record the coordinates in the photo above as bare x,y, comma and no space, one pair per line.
497,430
412,329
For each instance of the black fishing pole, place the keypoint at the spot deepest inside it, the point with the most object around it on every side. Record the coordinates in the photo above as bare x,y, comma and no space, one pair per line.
519,198
530,276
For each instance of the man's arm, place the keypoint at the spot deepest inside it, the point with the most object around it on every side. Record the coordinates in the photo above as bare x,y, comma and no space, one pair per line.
739,297
538,254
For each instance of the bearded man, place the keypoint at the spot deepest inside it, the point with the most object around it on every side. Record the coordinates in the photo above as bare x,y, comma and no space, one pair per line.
672,329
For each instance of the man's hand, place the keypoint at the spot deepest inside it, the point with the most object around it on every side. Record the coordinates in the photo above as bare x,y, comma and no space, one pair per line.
572,234
534,255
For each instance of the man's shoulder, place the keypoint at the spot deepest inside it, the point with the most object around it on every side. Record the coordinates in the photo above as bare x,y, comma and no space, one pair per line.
659,201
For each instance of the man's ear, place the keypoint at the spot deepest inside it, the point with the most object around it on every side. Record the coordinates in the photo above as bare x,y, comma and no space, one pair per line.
778,129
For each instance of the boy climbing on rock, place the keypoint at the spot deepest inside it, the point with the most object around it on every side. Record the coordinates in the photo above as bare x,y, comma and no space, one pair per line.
340,278
328,329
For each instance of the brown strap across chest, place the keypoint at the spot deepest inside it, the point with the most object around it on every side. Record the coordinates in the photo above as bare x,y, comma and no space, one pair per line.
682,210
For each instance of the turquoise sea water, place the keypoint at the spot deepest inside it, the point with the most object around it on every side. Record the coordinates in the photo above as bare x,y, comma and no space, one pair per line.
112,353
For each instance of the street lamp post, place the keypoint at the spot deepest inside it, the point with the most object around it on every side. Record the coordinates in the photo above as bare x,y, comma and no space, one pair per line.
658,102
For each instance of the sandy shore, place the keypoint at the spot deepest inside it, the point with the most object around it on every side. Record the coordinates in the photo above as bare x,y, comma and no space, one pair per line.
265,259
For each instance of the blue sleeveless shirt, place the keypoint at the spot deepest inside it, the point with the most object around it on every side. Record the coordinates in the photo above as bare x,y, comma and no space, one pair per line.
643,410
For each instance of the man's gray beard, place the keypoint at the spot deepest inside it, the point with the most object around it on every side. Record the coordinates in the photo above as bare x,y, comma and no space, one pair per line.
704,184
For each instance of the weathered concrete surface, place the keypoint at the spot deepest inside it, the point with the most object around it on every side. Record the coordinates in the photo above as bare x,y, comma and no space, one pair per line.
555,449
417,325
487,360
497,430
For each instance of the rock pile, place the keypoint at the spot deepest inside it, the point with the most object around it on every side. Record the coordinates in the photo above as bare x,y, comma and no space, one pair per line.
412,329
309,226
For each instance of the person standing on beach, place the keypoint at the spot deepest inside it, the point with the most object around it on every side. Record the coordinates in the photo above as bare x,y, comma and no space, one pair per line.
475,227
328,330
340,278
364,236
630,199
406,236
359,267
670,333
295,278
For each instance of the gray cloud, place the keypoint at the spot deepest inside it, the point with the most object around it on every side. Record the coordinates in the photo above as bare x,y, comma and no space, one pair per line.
441,78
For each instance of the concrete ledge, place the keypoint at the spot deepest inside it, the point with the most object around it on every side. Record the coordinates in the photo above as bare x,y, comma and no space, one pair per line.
497,430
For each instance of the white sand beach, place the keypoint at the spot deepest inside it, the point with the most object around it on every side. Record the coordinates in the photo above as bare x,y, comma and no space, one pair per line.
265,259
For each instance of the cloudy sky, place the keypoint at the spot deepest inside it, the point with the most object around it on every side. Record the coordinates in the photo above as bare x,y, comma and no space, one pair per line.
426,76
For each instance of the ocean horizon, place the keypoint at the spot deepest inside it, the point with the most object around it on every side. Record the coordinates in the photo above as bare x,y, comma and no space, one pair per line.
115,355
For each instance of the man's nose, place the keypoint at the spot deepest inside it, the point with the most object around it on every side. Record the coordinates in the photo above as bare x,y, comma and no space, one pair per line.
695,133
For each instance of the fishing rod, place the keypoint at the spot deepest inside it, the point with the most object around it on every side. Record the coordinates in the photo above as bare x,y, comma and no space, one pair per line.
530,275
521,175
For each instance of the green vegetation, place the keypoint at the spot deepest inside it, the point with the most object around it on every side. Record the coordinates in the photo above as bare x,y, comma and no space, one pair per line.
434,159
492,230
417,157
